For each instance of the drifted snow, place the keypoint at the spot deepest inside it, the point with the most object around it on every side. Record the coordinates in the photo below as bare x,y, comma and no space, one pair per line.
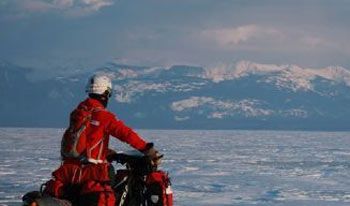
301,113
221,108
126,73
190,103
207,168
127,92
218,109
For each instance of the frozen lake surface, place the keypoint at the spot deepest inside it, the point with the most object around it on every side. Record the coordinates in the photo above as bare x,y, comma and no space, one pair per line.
207,167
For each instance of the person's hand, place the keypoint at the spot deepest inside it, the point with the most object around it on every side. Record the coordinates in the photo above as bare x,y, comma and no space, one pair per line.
111,155
152,153
30,198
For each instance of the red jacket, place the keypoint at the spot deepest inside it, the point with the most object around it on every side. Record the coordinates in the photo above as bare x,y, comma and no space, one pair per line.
103,124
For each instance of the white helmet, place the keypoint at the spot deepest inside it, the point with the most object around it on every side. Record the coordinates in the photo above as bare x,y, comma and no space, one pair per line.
99,84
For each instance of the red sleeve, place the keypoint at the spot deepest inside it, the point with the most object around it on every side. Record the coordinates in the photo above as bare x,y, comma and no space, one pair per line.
119,130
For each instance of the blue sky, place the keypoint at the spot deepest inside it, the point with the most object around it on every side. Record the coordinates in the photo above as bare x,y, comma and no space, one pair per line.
50,33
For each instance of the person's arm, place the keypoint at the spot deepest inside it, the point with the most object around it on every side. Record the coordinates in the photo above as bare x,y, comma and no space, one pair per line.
119,130
124,133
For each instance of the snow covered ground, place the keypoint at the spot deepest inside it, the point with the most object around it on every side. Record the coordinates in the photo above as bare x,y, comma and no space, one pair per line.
207,167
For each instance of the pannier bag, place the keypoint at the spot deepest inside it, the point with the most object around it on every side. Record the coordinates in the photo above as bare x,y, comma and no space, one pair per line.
158,188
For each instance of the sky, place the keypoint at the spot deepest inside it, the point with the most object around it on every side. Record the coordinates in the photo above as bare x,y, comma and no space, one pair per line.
50,34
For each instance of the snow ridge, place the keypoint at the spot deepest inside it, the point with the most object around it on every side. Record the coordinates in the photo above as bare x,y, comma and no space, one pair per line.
129,91
219,109
283,76
140,80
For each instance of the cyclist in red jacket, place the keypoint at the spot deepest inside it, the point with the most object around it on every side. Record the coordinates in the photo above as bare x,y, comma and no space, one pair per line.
85,172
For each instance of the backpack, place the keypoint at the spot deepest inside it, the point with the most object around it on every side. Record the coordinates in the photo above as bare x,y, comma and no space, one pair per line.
159,191
74,140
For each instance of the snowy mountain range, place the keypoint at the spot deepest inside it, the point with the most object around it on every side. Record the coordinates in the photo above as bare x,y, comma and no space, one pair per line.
245,95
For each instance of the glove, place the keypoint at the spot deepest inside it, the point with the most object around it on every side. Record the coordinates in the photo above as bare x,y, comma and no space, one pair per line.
29,198
111,155
152,153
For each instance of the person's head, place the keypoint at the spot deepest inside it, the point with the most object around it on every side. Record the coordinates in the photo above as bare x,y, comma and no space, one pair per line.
99,87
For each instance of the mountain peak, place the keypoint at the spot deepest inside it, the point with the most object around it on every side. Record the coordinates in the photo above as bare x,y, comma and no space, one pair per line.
288,76
253,96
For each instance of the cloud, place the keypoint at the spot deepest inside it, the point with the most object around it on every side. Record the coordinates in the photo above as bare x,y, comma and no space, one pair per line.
72,8
64,3
314,41
231,37
35,6
95,5
260,38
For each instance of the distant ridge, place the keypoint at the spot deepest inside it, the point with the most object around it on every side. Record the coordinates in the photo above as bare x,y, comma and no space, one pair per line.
244,95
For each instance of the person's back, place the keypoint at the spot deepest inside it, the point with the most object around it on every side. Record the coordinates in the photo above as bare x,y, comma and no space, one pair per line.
84,148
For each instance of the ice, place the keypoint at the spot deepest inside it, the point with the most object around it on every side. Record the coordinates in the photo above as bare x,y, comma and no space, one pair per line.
209,168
